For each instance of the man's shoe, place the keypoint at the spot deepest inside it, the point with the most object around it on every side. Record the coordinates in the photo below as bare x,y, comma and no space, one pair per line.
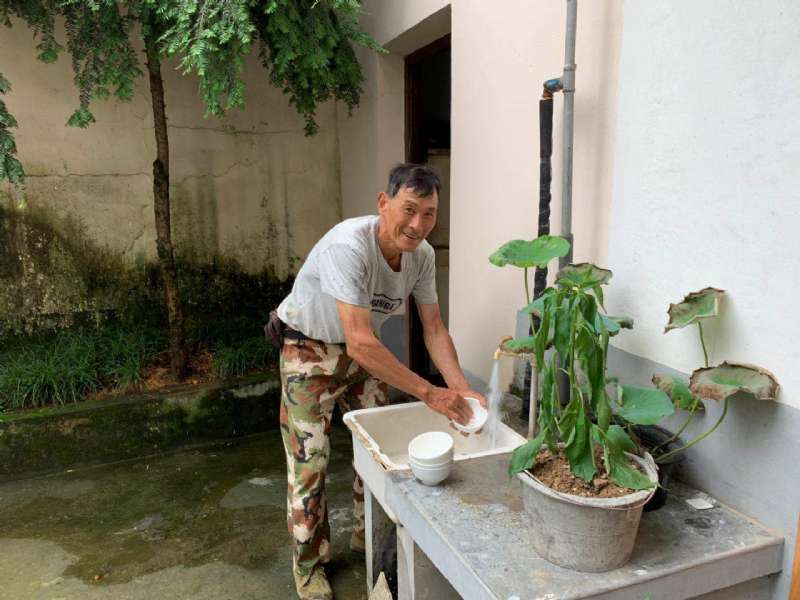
315,588
358,543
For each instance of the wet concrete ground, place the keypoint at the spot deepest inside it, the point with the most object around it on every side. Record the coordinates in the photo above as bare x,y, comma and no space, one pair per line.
204,524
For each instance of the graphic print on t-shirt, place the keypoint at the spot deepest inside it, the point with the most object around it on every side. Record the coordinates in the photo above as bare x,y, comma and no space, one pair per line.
384,304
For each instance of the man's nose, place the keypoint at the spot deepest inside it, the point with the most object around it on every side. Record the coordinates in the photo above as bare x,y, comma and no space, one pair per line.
416,221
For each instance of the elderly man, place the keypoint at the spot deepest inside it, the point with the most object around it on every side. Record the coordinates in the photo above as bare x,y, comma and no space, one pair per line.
359,274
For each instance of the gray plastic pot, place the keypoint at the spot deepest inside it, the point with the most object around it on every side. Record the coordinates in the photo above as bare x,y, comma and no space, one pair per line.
584,534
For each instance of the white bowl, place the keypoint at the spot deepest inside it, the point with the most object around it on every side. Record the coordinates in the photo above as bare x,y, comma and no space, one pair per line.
430,475
478,420
431,449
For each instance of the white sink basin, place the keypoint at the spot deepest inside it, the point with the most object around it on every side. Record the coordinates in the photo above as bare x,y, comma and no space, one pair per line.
381,436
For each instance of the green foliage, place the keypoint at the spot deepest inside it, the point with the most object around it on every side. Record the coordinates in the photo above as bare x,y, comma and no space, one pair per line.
10,167
615,444
572,322
249,354
583,275
721,382
643,406
305,44
703,304
535,253
728,378
66,367
678,391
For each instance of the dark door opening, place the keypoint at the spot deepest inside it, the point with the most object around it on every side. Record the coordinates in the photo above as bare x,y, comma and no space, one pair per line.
427,92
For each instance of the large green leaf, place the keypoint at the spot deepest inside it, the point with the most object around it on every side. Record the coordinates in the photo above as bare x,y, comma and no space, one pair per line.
584,275
612,324
537,307
717,383
535,253
620,439
703,304
563,327
643,406
579,449
524,456
615,443
682,397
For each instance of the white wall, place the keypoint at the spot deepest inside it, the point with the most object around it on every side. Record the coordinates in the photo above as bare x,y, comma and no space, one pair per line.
500,60
372,140
705,191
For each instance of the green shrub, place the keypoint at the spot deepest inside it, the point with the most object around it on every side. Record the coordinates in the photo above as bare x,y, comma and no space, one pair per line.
65,367
247,355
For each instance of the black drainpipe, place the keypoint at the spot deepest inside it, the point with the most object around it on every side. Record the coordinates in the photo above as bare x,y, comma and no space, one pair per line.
545,178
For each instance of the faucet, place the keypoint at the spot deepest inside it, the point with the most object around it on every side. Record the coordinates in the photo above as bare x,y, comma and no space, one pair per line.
504,350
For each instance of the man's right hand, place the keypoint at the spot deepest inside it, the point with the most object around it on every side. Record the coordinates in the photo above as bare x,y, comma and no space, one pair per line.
449,403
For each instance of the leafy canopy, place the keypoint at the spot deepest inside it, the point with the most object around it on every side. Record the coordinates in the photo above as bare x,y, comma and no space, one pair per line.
305,44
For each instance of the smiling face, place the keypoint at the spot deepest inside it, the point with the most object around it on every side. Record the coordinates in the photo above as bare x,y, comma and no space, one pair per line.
406,220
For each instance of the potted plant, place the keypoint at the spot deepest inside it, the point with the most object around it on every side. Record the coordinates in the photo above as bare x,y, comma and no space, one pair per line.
718,383
583,484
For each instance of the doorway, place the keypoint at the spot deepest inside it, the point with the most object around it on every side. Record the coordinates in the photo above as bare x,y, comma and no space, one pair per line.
427,102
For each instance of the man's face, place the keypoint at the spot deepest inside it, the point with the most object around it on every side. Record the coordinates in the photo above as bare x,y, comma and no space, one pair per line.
407,219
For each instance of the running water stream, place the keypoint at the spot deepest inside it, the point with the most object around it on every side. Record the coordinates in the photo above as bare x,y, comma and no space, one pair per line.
493,397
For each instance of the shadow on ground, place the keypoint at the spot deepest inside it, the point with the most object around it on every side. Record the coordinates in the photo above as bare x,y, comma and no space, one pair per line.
202,524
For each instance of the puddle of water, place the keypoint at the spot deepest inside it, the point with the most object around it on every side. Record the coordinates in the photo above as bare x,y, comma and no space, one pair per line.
175,516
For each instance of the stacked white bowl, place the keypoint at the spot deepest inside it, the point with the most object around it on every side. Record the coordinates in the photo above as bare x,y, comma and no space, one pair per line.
430,456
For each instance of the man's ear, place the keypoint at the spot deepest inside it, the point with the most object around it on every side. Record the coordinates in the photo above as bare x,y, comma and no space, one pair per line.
383,201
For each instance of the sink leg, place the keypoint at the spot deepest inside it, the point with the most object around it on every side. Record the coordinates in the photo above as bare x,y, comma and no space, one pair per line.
417,577
381,543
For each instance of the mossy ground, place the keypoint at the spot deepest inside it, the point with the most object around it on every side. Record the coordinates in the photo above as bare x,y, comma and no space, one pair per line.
222,507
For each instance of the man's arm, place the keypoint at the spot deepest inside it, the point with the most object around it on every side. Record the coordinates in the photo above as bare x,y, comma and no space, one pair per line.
442,350
368,351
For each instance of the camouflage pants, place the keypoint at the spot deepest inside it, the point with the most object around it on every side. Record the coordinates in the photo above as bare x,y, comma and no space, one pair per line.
314,376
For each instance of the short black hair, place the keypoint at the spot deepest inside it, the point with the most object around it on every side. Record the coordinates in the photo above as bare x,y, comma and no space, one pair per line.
418,178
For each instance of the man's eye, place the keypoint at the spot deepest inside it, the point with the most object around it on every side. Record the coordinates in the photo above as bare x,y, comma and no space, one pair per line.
409,210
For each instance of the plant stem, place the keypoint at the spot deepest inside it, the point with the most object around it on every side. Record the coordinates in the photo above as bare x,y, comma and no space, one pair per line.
702,342
527,289
700,437
678,433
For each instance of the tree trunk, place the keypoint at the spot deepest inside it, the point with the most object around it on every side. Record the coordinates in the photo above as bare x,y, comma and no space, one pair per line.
166,256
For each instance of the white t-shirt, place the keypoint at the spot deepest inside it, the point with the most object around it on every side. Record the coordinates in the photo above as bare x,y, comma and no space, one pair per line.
347,265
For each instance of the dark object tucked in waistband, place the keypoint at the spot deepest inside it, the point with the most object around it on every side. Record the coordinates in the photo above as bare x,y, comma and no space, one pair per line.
276,331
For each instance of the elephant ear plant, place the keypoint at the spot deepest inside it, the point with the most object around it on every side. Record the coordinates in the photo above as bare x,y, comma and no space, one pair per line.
720,382
570,334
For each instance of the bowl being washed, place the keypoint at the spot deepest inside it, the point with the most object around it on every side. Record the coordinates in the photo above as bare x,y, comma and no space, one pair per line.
478,420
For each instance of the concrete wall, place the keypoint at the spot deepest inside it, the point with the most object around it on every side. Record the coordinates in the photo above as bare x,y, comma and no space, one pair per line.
250,186
703,191
704,195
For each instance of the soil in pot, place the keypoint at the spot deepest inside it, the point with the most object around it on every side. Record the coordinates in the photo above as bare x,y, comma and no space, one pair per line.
652,436
554,472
